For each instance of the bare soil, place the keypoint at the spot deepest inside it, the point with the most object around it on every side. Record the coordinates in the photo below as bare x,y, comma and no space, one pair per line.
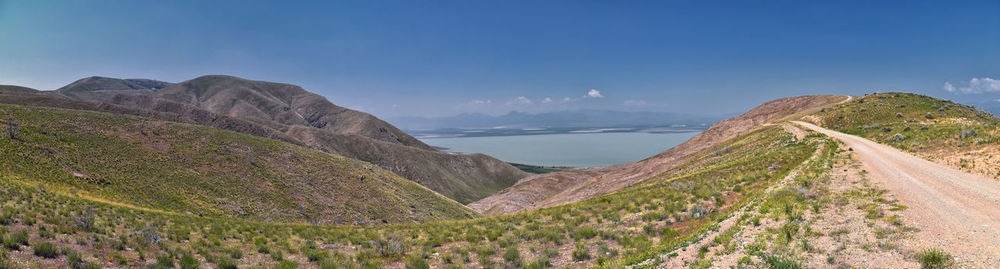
953,210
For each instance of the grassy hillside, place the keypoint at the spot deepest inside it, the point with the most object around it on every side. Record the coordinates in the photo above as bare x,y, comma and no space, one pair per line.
937,129
624,227
196,170
636,225
313,121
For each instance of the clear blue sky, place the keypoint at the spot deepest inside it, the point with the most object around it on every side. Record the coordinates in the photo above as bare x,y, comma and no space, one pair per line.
429,58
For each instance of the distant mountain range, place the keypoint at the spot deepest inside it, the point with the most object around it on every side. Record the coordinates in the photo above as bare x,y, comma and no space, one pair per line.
557,119
98,89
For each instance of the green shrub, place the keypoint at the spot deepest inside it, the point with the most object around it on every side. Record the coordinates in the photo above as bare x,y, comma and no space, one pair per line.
5,262
512,256
539,263
164,261
20,238
776,262
416,262
581,253
225,263
75,261
315,255
46,250
935,258
10,243
189,262
235,253
286,265
585,232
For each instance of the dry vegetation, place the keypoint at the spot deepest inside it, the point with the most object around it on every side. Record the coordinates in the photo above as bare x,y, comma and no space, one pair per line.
93,219
942,131
765,199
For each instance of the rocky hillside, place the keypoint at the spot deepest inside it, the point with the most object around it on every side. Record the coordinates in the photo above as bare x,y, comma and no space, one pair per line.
191,169
288,113
313,121
555,189
98,89
463,177
281,103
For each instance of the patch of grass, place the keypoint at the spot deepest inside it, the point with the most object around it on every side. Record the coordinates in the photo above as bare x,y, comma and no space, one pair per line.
189,262
46,250
935,259
416,262
581,253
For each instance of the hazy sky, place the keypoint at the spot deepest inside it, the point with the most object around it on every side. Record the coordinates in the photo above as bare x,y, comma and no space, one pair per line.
430,58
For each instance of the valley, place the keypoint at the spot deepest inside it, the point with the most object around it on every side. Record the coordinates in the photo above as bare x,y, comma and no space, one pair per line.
499,134
133,189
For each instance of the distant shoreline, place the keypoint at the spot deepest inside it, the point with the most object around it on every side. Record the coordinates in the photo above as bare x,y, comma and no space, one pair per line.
467,133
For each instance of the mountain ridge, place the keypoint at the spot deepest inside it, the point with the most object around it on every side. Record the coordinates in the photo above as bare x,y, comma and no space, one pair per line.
192,169
99,89
589,118
279,111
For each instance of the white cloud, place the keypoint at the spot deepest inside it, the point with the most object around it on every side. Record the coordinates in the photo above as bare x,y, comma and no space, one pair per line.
976,85
566,99
546,100
635,103
593,93
520,100
480,102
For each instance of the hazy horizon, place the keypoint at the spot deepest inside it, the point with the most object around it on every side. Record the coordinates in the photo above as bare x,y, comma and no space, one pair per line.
433,59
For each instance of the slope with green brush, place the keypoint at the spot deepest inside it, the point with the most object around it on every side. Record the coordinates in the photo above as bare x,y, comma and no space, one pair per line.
192,169
623,227
635,225
962,136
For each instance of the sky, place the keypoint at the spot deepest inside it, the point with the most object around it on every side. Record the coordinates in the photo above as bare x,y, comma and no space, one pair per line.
439,58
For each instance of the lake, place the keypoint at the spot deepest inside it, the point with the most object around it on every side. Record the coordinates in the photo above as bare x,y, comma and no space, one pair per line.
578,149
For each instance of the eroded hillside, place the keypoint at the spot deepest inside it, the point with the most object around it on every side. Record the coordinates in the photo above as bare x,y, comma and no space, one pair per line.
287,113
554,189
315,122
190,169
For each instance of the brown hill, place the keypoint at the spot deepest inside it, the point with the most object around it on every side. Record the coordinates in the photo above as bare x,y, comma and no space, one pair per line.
184,168
16,89
281,103
180,114
553,189
311,120
98,89
464,178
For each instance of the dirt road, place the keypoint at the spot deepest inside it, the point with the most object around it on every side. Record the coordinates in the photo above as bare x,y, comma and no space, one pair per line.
955,211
